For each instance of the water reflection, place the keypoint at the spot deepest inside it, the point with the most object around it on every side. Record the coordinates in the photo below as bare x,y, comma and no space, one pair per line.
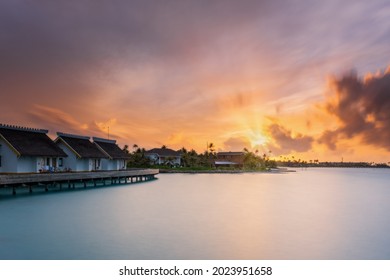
310,214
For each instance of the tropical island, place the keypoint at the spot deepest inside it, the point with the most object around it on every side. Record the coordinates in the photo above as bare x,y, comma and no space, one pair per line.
184,160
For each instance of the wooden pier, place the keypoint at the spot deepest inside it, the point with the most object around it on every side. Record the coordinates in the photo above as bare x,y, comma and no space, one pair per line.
70,180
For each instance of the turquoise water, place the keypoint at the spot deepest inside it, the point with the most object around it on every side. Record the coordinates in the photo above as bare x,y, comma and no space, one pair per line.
309,214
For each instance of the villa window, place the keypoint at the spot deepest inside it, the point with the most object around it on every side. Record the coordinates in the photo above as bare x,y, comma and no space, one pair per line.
0,161
60,162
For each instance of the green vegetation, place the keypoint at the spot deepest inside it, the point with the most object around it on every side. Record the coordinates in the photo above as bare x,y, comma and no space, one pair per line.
193,161
137,157
252,161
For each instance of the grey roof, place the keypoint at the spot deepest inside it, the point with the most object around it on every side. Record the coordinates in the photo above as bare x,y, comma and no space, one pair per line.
30,141
164,152
81,145
111,148
230,153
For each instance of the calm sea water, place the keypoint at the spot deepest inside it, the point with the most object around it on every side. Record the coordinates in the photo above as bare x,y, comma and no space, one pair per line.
310,214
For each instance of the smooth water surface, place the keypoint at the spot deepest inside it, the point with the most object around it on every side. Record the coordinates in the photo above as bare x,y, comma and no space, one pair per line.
310,214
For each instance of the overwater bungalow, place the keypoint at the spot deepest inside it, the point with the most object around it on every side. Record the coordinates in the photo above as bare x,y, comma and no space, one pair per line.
116,157
83,155
25,150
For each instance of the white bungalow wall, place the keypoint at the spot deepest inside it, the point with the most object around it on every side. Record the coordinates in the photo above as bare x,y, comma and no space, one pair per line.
27,164
11,163
9,160
72,162
113,164
108,164
82,165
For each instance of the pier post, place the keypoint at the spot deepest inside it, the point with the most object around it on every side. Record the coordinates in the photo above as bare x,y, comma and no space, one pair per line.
46,182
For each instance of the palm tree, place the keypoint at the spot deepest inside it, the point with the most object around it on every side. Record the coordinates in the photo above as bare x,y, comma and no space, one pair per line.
126,149
193,158
184,157
211,147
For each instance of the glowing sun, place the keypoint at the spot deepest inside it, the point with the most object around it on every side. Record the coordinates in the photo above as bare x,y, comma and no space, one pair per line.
256,138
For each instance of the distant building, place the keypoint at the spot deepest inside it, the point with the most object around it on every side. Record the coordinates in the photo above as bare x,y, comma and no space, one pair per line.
28,150
229,159
117,158
164,156
83,155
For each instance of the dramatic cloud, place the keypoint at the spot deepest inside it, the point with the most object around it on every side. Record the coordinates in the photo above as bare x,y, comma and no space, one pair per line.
55,118
180,72
285,142
362,107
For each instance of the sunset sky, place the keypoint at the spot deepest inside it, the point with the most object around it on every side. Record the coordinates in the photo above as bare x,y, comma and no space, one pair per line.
308,79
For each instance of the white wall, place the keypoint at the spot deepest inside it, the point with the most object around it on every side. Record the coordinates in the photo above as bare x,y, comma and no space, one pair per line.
72,162
9,160
82,165
108,164
27,164
113,164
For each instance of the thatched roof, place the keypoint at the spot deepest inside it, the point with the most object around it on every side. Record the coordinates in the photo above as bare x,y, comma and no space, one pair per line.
110,148
80,145
29,141
164,152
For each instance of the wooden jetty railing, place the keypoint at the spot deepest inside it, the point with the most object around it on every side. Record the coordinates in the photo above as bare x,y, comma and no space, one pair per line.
31,181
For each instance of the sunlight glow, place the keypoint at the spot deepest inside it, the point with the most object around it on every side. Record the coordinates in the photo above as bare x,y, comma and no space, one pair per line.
256,138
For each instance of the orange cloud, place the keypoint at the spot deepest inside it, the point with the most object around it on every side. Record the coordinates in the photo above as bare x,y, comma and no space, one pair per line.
104,127
56,119
362,107
284,141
